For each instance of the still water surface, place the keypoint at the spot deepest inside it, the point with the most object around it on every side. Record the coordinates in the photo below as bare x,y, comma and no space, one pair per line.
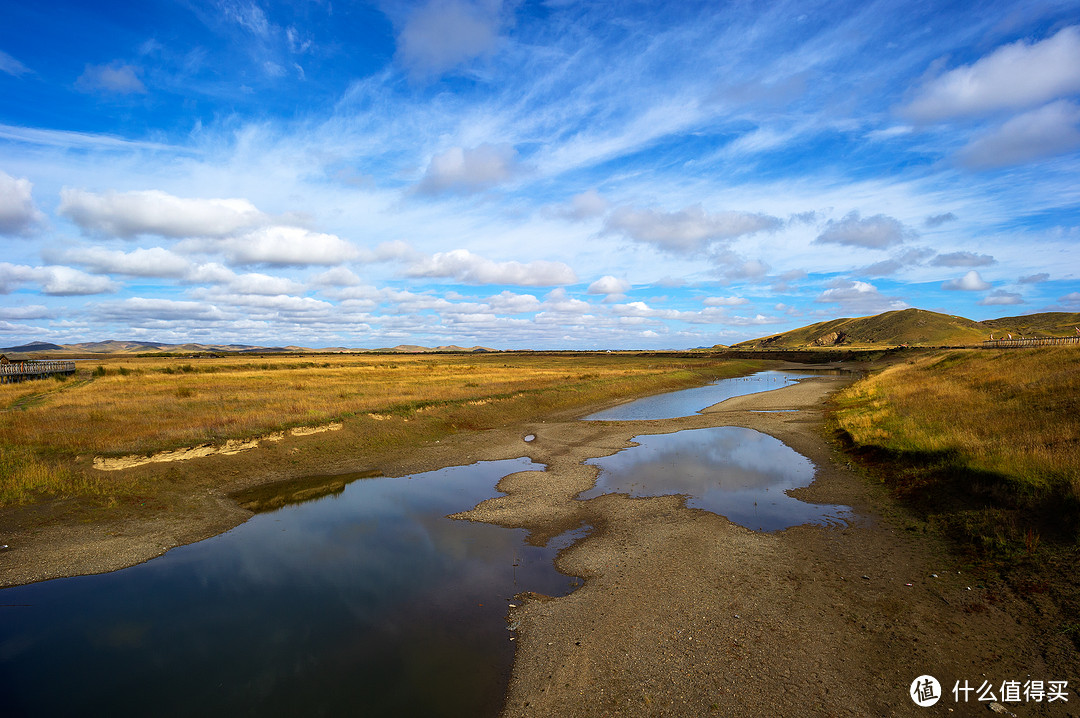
688,402
738,473
369,603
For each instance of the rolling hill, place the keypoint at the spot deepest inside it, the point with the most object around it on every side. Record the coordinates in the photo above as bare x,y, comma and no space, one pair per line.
915,327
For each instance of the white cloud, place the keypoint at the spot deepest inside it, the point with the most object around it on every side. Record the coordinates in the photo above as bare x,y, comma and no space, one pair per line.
962,259
336,277
724,301
129,214
1046,132
18,215
858,298
32,311
583,206
153,262
264,284
445,33
609,285
285,246
875,232
137,311
469,170
54,280
116,77
509,303
688,230
970,282
1035,278
939,219
1013,77
1001,297
463,265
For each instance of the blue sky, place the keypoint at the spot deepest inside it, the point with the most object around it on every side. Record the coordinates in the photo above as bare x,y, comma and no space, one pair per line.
530,174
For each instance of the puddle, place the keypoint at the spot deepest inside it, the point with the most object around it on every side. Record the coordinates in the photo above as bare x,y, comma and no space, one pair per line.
368,601
738,473
688,402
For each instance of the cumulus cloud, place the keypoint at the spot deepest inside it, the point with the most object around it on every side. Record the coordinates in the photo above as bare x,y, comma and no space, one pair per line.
287,246
688,230
609,285
1013,77
970,282
510,303
114,78
939,219
153,262
1046,132
130,214
463,265
460,170
583,206
32,311
137,311
18,215
1035,278
962,259
445,33
54,280
336,277
859,297
1001,297
724,301
875,232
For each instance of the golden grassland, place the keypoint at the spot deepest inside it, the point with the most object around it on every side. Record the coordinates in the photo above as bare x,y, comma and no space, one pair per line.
138,405
988,437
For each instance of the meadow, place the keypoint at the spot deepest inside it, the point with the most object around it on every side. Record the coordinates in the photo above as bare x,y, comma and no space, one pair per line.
985,442
120,405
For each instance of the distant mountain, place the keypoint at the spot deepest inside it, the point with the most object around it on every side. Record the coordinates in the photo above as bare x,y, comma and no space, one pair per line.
915,327
32,347
113,346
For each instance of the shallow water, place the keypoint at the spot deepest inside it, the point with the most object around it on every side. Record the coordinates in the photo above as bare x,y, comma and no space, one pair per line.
688,402
369,602
738,473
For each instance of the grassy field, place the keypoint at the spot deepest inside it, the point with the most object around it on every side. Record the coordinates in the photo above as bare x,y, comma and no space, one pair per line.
49,429
985,442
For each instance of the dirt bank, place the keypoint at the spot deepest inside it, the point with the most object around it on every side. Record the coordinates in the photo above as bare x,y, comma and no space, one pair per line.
686,614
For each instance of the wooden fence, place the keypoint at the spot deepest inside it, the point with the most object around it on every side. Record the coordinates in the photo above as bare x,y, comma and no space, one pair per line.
1033,342
20,370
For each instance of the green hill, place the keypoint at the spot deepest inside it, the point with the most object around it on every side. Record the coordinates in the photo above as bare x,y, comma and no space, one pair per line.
915,327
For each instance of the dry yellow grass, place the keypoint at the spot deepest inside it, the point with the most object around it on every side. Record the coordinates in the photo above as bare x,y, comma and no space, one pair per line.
1014,413
128,405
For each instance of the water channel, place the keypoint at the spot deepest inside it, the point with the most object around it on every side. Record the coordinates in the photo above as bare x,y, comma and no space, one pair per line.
688,402
370,603
366,602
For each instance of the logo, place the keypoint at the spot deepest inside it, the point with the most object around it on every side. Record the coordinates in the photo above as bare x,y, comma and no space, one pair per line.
925,691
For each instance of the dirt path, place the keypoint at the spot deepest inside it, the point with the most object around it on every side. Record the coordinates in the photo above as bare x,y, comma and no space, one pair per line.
685,614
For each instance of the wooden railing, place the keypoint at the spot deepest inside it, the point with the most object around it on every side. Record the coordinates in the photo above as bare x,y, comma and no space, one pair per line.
19,370
1033,342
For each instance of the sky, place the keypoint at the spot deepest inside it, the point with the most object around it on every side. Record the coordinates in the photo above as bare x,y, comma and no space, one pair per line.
530,174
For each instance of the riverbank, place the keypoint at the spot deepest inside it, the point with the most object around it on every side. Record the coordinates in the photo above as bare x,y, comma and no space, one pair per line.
685,613
247,422
682,612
